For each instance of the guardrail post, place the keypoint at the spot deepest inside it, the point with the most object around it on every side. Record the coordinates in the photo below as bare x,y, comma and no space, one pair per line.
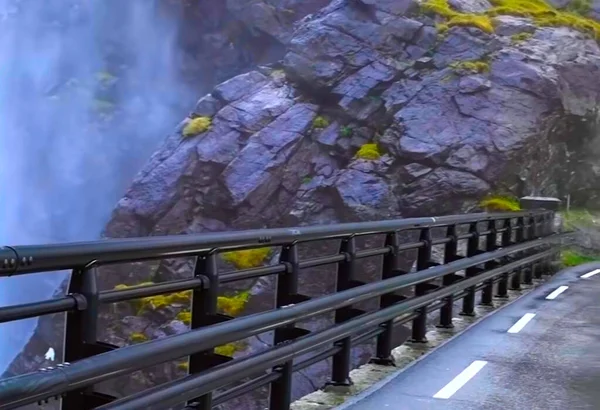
204,313
419,325
341,361
515,283
450,255
487,293
531,235
81,336
287,292
390,269
506,241
472,250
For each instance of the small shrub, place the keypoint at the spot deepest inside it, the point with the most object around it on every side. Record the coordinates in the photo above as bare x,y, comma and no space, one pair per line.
500,203
197,126
320,122
137,337
369,151
346,132
571,258
248,258
475,66
520,37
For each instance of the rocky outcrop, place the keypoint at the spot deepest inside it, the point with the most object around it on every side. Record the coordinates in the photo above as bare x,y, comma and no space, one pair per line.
453,117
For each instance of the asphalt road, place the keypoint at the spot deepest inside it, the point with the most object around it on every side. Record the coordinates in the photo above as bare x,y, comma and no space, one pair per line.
549,360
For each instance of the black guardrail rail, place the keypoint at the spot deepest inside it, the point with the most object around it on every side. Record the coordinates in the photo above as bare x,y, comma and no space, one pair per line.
517,247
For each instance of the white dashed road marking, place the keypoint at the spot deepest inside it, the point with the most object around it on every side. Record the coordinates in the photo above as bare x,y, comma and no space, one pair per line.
460,380
521,323
557,292
590,274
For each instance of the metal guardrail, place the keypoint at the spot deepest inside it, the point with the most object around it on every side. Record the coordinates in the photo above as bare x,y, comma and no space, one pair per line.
527,245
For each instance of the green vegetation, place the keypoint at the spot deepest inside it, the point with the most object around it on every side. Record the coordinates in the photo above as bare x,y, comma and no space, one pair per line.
471,67
233,305
230,305
346,132
183,366
306,179
578,218
320,122
185,316
520,37
230,348
248,258
581,7
542,13
197,126
500,203
369,151
573,258
137,337
455,18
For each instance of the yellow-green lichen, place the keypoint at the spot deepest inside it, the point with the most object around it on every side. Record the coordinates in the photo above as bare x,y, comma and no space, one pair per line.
500,203
233,305
230,349
541,12
197,126
475,66
185,316
247,258
369,151
455,18
320,122
137,337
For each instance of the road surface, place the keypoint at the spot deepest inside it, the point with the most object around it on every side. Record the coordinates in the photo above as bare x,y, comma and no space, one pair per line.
540,352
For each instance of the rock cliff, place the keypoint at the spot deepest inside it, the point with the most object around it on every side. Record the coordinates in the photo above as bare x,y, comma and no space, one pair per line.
378,110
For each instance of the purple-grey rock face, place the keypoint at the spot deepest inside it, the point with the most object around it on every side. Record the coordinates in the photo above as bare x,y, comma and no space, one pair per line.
282,148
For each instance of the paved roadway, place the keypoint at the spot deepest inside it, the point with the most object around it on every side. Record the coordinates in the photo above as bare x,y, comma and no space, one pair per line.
540,352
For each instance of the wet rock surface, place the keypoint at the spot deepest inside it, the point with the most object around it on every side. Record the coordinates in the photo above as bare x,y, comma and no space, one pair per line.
282,148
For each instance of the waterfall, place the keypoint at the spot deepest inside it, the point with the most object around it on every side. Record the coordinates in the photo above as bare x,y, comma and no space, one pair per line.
88,90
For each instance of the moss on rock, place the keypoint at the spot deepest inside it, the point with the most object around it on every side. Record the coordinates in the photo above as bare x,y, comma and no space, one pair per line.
197,126
369,151
247,258
500,203
542,13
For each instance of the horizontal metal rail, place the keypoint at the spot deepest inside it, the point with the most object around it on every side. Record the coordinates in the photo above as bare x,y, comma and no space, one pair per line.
20,260
175,392
37,386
